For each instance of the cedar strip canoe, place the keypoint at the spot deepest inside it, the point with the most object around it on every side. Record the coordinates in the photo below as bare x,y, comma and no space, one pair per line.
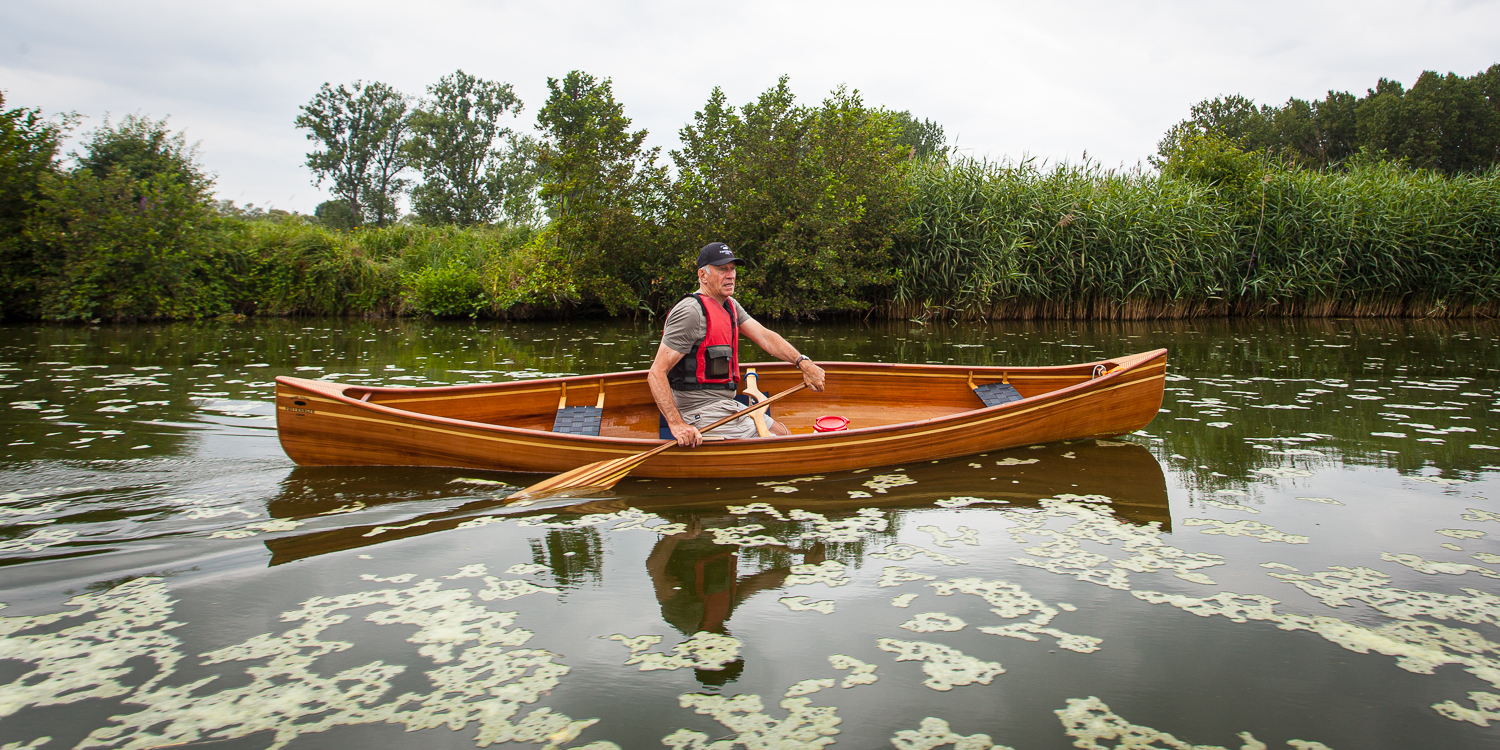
897,414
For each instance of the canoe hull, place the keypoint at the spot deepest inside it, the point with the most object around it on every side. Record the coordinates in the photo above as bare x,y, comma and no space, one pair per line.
322,423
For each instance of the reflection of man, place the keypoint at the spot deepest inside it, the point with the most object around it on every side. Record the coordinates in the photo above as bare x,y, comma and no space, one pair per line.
698,585
696,371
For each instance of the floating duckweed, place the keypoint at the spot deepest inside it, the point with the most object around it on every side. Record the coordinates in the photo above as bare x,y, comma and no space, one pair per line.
1430,567
1486,557
1228,506
828,572
860,673
703,650
933,733
1462,533
505,590
1220,425
1452,546
1480,516
784,488
479,679
902,551
625,520
802,604
945,667
1012,461
808,687
1486,708
1438,480
767,508
476,570
743,536
962,501
1419,646
38,540
377,531
944,539
934,622
403,578
482,521
1093,521
882,483
865,521
903,600
857,494
1253,529
895,575
1010,601
91,659
1323,500
806,727
1090,722
525,569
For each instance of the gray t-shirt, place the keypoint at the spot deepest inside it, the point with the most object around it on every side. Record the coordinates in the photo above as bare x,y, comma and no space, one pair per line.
685,326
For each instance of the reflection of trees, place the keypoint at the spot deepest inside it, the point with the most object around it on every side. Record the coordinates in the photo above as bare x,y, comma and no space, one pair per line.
572,554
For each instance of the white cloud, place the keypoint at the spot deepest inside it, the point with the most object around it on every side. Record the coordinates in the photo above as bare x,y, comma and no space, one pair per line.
1050,80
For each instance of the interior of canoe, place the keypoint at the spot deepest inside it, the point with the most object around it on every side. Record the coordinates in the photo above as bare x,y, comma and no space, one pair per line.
868,396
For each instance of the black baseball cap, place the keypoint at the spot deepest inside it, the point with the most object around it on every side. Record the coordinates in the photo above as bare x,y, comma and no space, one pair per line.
717,254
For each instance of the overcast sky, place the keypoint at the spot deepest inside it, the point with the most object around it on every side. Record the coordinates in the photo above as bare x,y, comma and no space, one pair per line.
1005,79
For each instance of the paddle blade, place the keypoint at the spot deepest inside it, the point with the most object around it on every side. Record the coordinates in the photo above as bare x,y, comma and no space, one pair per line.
600,475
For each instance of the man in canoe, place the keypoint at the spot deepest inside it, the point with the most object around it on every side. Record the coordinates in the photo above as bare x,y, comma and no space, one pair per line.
696,371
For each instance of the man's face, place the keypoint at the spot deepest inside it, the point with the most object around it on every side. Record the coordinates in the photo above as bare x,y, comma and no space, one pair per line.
719,278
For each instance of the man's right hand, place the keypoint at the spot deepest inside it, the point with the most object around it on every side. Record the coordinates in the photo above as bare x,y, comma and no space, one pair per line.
687,435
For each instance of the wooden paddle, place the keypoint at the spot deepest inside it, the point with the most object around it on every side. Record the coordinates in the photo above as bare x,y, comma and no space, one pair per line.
602,475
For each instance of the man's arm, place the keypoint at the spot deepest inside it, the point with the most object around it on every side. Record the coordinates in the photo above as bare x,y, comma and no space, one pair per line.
661,392
773,344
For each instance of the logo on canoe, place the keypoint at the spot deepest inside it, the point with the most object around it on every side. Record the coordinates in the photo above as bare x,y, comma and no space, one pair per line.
299,410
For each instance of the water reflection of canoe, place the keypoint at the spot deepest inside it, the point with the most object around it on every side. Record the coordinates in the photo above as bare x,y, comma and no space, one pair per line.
1128,474
897,414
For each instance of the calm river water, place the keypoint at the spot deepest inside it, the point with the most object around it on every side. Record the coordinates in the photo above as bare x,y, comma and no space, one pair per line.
1300,551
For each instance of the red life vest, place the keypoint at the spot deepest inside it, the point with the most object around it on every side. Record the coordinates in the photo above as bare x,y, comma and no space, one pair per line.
714,361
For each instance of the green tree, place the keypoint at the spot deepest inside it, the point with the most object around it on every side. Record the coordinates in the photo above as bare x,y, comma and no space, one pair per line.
29,145
474,168
128,233
922,139
143,149
604,189
362,130
812,196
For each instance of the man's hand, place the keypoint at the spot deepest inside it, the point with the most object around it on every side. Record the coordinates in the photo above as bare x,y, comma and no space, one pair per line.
812,375
686,434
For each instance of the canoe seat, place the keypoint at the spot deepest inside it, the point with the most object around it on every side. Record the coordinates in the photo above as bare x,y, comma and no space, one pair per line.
578,420
995,394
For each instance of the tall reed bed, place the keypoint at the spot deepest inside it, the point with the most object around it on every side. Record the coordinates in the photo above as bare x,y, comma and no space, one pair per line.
1014,240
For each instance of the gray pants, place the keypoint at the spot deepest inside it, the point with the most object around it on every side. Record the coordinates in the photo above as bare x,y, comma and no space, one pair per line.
708,412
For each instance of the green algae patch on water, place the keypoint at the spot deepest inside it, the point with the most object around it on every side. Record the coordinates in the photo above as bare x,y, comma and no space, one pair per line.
1090,723
702,650
481,675
946,667
934,733
803,604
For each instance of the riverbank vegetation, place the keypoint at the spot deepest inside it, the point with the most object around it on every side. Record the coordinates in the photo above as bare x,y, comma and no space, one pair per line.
842,207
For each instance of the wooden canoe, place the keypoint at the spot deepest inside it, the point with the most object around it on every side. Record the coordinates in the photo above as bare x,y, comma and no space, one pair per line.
897,414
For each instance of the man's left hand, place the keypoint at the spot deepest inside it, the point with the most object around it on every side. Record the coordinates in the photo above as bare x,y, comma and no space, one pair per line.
813,375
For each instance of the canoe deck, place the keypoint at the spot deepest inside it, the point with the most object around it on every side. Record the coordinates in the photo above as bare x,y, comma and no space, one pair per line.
896,413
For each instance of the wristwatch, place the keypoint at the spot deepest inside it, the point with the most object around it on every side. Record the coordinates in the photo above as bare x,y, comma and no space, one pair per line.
797,363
